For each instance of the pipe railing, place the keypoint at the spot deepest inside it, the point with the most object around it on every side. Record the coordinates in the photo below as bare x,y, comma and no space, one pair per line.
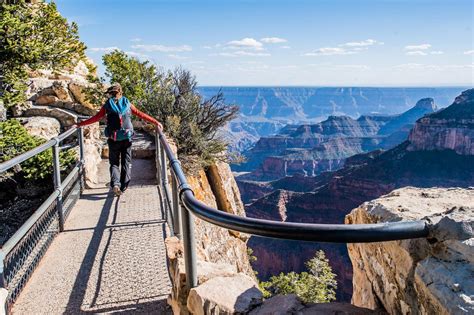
335,233
54,198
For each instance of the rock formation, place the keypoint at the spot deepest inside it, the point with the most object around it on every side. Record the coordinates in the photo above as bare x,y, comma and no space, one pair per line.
312,149
448,129
417,276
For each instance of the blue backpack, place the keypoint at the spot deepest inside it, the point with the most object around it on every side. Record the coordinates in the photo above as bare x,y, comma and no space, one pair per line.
119,119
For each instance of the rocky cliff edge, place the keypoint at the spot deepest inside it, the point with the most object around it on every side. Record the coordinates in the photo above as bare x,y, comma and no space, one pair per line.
418,276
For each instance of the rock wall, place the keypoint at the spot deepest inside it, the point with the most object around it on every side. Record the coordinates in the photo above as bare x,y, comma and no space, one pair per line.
54,102
451,128
417,276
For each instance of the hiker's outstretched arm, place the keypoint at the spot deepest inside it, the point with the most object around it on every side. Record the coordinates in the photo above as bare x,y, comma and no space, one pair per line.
144,116
93,119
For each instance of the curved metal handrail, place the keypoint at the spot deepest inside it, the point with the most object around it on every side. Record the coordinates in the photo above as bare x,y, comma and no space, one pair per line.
337,233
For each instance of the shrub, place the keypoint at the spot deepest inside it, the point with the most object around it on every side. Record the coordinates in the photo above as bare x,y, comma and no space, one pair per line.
15,140
172,97
33,36
318,285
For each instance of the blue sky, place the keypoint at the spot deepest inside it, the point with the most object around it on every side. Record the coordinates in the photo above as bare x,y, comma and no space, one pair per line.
312,43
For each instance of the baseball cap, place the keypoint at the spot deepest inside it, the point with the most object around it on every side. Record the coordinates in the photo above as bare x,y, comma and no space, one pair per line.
115,87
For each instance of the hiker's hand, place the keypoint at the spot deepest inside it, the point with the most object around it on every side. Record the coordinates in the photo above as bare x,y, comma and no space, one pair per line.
159,126
74,126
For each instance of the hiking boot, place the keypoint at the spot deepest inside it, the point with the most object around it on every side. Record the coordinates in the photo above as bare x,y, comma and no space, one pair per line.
123,189
117,191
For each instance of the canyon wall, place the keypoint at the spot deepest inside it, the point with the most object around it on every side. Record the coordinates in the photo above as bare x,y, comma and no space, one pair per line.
449,129
417,276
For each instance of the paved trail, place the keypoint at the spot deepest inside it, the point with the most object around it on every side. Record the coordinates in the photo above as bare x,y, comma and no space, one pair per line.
110,258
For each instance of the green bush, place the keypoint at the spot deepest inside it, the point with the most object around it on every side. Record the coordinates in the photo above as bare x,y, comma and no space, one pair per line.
318,285
15,140
33,36
172,98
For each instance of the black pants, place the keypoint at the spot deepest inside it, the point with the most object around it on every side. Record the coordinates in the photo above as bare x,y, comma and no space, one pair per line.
120,159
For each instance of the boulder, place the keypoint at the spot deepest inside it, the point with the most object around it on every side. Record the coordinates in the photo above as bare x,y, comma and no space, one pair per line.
427,276
279,305
92,157
205,270
236,294
19,109
43,127
77,89
65,117
45,100
61,90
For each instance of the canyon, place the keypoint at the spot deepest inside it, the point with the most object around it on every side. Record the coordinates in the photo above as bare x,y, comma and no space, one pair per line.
311,149
437,153
266,110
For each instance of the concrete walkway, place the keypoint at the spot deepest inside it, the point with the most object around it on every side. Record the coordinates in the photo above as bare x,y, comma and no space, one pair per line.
110,258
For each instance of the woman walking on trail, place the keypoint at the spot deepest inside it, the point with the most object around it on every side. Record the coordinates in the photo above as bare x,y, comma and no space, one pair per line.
119,131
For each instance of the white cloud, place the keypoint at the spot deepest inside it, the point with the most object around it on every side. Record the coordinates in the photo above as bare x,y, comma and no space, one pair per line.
364,43
437,52
273,40
285,47
469,52
329,51
136,39
349,48
242,53
345,67
178,57
416,53
104,49
162,48
418,47
245,43
206,47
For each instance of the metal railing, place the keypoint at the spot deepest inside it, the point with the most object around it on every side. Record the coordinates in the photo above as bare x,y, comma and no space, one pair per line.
22,252
183,203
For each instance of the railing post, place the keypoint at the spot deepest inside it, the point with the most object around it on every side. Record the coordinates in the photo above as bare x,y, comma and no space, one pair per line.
80,138
57,184
3,286
189,248
176,207
157,158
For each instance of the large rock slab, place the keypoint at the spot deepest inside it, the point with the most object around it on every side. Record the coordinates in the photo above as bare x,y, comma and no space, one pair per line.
236,294
43,127
427,276
65,117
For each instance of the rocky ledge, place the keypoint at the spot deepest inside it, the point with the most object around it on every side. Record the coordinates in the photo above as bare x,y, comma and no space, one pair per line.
417,276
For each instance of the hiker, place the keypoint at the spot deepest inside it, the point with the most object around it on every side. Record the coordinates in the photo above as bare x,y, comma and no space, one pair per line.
119,132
